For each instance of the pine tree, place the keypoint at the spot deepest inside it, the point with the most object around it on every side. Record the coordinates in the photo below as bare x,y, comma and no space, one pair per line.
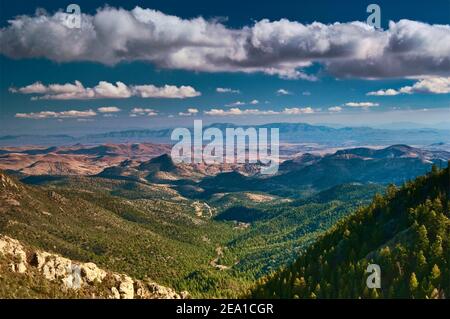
299,286
421,262
422,240
413,284
435,275
436,248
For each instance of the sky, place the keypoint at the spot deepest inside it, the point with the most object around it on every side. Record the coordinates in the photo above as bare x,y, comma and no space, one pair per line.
156,64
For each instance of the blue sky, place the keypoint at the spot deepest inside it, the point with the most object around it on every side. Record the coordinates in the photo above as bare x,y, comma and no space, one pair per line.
328,81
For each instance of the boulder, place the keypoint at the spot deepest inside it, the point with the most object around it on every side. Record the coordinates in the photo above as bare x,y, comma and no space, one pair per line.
90,273
125,286
12,248
54,267
150,290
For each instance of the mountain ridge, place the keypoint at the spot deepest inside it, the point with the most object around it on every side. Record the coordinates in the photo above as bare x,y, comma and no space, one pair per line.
406,232
289,132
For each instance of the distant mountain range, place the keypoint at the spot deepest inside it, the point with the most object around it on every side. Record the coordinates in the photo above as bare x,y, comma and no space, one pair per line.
151,163
76,159
297,176
395,164
289,133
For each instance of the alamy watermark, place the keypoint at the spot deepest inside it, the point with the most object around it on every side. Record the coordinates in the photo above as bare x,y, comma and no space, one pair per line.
374,279
73,16
234,146
375,18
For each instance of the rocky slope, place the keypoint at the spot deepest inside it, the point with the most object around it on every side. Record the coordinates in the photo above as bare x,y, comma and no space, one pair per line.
86,278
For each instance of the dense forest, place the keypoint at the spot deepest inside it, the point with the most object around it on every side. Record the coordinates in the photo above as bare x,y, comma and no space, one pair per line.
406,232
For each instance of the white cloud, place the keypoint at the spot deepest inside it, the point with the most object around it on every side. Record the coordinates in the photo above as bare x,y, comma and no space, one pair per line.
297,110
36,87
431,85
335,109
108,109
167,91
361,104
283,47
237,103
306,93
108,90
388,92
240,103
75,91
283,92
227,90
189,112
138,111
104,90
56,115
237,111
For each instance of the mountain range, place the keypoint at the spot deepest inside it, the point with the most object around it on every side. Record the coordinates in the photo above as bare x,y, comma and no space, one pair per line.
395,164
289,133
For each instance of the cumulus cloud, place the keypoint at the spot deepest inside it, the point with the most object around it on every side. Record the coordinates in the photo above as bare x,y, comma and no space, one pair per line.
167,91
104,90
189,112
297,110
361,104
237,103
432,85
283,92
138,111
56,115
241,103
388,92
284,48
108,109
306,93
335,109
237,111
227,90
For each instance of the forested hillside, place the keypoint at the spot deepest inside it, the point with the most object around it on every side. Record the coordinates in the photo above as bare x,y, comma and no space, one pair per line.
215,249
406,232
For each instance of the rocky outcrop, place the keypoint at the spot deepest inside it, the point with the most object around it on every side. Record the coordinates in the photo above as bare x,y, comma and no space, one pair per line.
91,273
124,285
149,290
16,252
76,275
6,182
